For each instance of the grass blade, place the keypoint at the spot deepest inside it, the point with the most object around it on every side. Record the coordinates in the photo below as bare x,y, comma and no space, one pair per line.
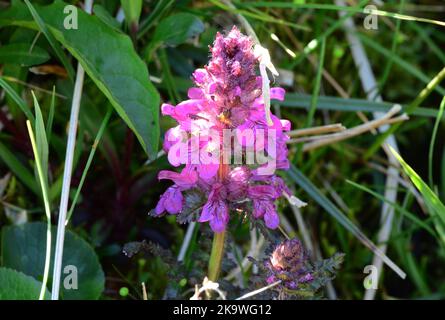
89,161
433,140
435,207
23,106
44,186
49,121
400,209
326,204
41,141
303,101
17,168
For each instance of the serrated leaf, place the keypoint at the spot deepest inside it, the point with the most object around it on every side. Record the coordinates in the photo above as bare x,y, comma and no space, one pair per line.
193,203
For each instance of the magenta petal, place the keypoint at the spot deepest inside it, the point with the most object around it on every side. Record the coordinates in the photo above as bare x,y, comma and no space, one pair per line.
187,107
217,225
160,206
199,75
167,109
258,209
277,93
195,93
271,219
206,213
208,171
173,200
220,217
186,179
261,191
285,124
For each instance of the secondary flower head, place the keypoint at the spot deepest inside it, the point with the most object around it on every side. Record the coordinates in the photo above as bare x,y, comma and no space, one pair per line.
288,263
227,98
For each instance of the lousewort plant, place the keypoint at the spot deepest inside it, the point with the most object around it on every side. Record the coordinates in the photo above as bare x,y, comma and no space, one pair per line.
229,143
229,150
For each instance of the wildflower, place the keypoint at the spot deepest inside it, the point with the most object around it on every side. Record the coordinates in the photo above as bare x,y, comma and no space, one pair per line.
228,96
289,263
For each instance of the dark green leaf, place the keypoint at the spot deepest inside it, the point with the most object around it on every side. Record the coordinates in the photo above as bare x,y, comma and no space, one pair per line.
177,28
105,16
15,285
23,249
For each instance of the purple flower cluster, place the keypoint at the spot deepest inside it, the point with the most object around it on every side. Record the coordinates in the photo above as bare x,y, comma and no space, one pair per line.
288,263
227,96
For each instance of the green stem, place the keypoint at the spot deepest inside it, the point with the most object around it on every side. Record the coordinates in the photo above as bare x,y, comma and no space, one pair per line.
216,255
43,185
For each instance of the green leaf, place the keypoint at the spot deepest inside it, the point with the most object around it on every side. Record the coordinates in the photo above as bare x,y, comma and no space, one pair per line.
18,286
177,28
22,54
300,179
433,141
109,58
41,141
23,249
18,168
22,105
106,18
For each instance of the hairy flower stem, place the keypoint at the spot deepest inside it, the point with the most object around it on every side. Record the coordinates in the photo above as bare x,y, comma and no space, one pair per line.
216,255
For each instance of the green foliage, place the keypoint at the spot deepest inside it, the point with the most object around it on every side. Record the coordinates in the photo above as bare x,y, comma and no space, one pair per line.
177,28
111,65
435,207
18,286
23,249
132,9
22,54
110,195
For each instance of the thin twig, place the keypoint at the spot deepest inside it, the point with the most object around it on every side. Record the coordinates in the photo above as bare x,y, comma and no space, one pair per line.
255,292
186,241
144,292
330,128
72,132
336,137
34,87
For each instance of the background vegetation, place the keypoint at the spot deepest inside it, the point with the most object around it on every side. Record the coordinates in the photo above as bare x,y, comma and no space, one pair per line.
342,182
